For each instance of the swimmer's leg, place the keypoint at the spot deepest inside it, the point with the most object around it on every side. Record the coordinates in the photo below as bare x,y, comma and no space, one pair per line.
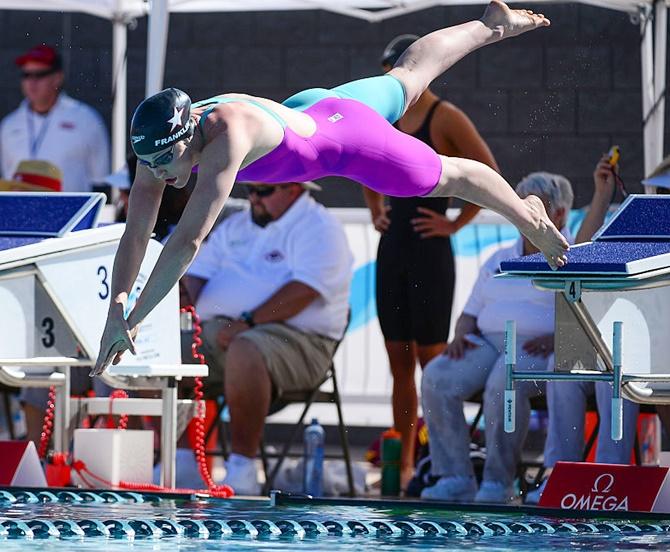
477,183
307,98
433,54
382,93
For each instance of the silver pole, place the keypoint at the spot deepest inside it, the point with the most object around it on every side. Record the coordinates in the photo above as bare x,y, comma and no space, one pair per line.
159,21
510,363
120,91
617,401
562,376
62,413
169,434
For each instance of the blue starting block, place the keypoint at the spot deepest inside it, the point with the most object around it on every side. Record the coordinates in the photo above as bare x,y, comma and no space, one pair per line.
634,241
29,218
48,214
619,282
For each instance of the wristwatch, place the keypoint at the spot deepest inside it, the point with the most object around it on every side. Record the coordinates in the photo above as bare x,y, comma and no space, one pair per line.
248,318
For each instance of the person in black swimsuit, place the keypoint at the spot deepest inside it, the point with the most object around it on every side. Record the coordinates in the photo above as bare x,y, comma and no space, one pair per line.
415,263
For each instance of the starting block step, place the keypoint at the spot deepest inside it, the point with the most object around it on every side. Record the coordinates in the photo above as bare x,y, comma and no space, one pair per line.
100,406
160,370
45,361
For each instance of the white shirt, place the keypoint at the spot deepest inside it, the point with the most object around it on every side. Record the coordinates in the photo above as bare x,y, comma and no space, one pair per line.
71,135
495,300
244,264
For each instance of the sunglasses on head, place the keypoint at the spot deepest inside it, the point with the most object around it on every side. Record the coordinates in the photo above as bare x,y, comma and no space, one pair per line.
163,159
36,75
261,191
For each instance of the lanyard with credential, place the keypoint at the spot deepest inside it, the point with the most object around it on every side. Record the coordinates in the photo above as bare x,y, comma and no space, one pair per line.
36,141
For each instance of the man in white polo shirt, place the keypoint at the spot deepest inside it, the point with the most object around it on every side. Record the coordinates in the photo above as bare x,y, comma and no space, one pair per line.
272,286
51,126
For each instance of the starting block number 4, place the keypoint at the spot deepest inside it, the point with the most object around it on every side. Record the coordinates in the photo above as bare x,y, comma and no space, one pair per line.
573,290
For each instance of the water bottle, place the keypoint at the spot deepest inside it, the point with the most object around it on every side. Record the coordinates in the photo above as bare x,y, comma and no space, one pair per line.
391,448
314,438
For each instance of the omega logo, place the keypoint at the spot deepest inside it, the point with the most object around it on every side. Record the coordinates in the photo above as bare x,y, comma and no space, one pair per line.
603,483
597,499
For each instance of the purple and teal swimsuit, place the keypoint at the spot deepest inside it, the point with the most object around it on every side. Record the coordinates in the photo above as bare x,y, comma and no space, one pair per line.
354,138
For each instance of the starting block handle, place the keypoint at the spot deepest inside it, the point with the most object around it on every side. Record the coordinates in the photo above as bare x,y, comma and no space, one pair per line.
510,363
617,401
510,410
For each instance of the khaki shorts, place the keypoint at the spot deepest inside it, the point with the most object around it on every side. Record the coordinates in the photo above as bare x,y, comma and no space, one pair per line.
295,360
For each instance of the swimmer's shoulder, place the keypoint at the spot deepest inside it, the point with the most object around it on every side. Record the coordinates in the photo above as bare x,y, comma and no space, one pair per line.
249,121
215,116
225,107
234,100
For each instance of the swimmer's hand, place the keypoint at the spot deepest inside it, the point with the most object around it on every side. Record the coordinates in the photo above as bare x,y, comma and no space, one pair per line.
544,235
116,339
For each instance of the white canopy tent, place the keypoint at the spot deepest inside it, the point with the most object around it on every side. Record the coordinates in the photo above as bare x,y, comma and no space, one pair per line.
652,16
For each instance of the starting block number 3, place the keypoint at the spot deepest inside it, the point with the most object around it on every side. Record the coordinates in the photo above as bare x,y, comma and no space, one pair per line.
104,283
573,290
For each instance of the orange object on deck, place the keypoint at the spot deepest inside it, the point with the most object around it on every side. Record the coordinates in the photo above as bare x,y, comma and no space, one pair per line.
648,433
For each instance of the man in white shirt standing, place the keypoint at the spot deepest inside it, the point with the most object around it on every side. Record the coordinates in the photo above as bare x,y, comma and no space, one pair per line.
272,286
51,126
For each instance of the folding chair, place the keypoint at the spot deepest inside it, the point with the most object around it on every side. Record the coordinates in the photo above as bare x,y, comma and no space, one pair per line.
536,403
308,398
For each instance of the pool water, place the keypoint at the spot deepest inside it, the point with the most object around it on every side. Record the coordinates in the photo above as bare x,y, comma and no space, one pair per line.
210,524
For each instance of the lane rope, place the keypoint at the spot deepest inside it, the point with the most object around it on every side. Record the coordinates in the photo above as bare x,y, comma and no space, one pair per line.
210,528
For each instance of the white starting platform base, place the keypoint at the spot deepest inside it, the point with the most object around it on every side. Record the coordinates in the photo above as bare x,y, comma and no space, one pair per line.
608,487
114,455
55,286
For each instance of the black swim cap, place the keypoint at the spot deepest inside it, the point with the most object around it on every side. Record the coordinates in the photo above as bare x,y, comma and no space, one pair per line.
161,121
396,47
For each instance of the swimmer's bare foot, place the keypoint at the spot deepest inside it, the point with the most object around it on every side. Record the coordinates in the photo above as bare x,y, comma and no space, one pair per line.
507,22
544,235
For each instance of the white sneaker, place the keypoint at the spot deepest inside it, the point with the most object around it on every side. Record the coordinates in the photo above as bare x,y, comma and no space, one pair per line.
242,475
452,489
495,492
534,496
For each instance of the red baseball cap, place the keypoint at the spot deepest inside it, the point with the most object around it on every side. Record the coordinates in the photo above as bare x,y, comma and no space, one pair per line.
41,54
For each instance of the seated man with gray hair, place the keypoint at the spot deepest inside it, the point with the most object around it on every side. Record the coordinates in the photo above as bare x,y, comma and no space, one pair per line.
474,360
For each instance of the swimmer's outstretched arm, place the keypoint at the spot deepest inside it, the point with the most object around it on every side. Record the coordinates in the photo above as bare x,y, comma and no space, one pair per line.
145,199
215,182
430,56
219,164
